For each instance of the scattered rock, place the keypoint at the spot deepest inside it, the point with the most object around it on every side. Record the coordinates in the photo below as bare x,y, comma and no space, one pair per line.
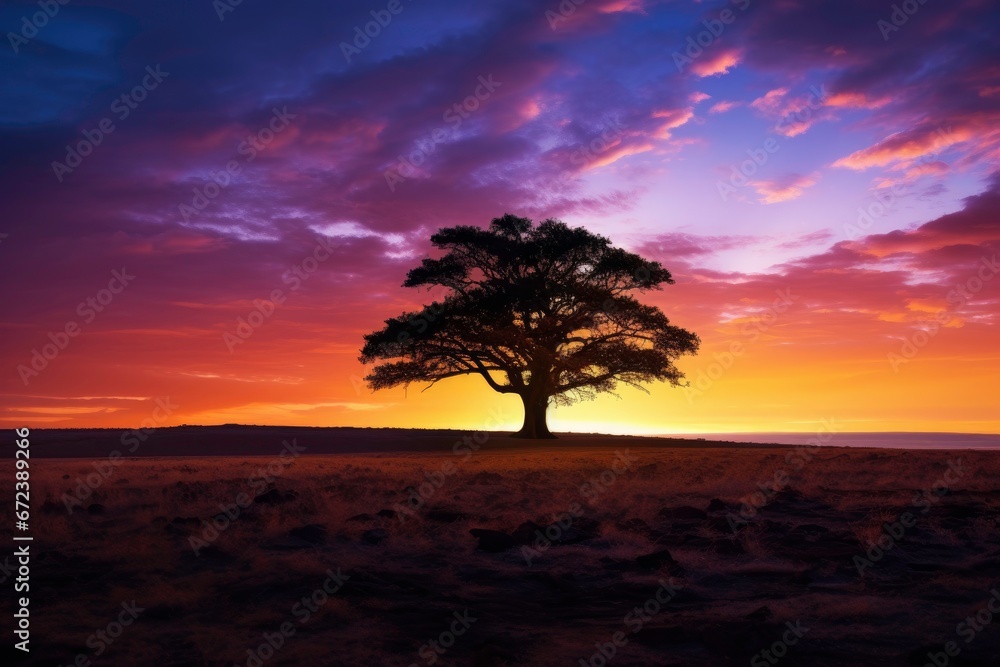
640,527
375,536
724,524
582,529
659,559
493,541
287,544
682,513
616,564
716,505
275,497
527,532
313,533
444,516
760,614
728,547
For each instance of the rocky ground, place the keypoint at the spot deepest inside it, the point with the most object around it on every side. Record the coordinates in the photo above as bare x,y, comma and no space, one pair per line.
484,554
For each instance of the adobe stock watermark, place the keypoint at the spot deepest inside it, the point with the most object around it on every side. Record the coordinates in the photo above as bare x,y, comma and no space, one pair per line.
753,330
363,35
899,16
610,136
223,7
259,484
249,148
132,438
634,622
263,309
30,25
957,298
433,649
562,12
591,490
102,639
409,165
88,309
796,459
886,198
464,449
779,649
967,630
122,107
702,40
739,174
302,611
894,532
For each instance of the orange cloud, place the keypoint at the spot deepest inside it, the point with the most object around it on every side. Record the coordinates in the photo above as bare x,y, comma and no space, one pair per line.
781,190
905,146
718,64
853,100
675,118
771,102
613,156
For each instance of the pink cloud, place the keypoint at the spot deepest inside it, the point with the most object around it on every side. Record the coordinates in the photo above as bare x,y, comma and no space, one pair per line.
855,100
784,189
718,64
674,118
906,145
723,107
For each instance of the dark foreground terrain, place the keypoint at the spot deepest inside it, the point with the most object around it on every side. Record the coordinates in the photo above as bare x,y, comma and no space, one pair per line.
470,549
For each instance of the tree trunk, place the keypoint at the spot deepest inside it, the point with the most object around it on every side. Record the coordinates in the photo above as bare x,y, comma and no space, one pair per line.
535,426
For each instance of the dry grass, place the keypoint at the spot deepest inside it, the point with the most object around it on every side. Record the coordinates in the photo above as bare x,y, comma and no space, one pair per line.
210,609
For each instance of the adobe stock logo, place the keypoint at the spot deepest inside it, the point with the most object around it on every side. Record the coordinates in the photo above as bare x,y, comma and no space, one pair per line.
900,15
409,165
752,330
30,25
698,43
957,298
88,310
122,107
363,36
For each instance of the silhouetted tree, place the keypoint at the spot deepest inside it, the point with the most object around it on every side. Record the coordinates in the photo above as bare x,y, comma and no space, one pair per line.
544,312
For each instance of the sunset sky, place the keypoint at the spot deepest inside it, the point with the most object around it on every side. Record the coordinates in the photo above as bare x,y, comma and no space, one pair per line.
854,262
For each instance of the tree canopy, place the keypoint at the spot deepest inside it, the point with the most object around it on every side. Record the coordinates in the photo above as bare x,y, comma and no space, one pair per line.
543,311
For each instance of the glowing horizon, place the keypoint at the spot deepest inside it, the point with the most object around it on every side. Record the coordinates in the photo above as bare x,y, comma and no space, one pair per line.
828,203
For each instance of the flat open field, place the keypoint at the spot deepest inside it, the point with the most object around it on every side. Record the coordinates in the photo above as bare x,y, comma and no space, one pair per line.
473,549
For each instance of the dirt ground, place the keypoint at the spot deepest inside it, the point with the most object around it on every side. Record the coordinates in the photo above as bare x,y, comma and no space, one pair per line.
471,549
